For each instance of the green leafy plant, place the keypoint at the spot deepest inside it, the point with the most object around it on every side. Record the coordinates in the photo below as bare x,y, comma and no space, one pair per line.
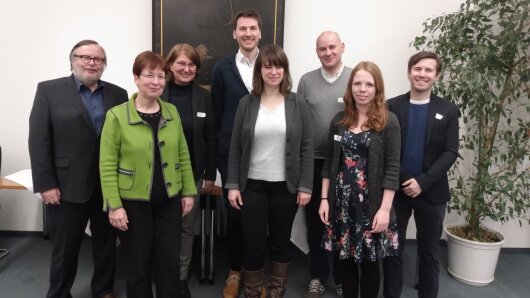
484,47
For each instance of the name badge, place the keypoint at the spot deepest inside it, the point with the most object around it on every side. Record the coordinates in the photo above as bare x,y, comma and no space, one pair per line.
337,138
340,100
201,114
438,116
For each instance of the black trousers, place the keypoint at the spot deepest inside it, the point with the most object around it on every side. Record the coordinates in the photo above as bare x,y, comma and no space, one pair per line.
67,223
233,220
429,219
152,247
319,266
266,204
350,275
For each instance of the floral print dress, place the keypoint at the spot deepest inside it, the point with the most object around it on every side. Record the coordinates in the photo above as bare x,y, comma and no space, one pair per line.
349,233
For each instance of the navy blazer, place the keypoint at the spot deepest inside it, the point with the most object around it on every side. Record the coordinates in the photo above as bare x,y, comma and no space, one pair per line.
63,143
204,132
227,89
299,144
441,144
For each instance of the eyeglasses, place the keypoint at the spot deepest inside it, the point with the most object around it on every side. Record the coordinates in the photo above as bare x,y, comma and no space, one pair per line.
152,77
183,65
86,59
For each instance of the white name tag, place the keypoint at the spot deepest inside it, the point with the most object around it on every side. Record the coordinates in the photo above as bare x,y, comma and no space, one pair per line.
340,100
438,116
201,114
337,138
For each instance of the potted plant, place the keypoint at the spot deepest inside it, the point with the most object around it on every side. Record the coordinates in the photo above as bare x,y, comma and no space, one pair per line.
484,47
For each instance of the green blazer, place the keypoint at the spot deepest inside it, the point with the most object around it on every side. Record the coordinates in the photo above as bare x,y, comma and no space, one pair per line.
127,154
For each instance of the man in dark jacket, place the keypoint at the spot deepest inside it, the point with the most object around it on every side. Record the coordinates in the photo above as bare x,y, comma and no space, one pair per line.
429,147
231,80
64,134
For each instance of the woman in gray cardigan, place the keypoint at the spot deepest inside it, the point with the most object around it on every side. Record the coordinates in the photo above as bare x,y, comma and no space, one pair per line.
359,178
270,170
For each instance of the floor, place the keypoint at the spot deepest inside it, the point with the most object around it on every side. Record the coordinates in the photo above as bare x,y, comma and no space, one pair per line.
24,273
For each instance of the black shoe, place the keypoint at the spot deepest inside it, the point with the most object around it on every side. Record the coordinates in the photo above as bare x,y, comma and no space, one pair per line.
184,290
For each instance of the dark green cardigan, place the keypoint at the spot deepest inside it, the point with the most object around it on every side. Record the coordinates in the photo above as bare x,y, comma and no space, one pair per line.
383,163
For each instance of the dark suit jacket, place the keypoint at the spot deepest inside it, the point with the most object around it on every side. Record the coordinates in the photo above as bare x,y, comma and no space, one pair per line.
227,89
204,132
63,144
441,144
299,144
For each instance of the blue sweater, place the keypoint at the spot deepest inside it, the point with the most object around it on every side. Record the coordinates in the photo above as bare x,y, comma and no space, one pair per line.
412,157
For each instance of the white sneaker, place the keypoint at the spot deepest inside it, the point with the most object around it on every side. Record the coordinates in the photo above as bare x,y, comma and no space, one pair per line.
314,289
339,290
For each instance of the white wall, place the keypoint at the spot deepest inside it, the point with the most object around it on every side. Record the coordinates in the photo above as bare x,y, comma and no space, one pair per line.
37,37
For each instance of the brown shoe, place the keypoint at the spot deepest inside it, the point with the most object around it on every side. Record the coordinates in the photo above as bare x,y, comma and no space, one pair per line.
110,295
232,284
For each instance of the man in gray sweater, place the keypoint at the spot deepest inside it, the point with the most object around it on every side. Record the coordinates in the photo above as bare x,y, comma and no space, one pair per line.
323,89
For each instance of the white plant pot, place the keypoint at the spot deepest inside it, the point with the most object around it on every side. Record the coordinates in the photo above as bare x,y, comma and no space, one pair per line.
472,262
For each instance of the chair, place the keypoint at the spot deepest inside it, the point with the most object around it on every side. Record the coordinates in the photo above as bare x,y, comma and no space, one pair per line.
3,252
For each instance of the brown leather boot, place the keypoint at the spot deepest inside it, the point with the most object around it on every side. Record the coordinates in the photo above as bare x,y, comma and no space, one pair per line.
253,283
232,284
278,280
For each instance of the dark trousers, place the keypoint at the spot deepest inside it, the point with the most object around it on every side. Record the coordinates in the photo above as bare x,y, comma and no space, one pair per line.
319,265
233,220
266,204
350,275
152,247
429,223
67,223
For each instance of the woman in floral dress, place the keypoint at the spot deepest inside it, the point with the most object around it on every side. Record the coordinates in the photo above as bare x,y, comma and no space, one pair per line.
360,176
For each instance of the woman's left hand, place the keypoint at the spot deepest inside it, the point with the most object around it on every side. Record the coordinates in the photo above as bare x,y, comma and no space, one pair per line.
187,205
303,198
381,220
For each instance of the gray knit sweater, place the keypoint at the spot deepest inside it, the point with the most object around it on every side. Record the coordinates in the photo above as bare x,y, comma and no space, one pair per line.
324,100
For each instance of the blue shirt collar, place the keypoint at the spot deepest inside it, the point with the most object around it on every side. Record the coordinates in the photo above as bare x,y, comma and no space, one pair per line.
78,84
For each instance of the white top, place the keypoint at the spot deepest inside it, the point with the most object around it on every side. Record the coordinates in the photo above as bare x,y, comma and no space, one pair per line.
419,101
267,159
332,77
246,68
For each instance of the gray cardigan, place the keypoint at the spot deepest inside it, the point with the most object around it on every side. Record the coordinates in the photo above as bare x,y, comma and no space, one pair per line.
383,163
298,149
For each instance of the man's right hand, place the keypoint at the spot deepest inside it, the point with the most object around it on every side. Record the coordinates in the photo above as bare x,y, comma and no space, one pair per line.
51,196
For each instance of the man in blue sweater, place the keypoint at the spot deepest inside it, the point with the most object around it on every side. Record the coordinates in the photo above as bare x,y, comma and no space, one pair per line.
429,147
231,80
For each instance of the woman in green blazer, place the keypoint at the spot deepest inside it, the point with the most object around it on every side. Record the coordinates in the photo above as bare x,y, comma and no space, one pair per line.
147,181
